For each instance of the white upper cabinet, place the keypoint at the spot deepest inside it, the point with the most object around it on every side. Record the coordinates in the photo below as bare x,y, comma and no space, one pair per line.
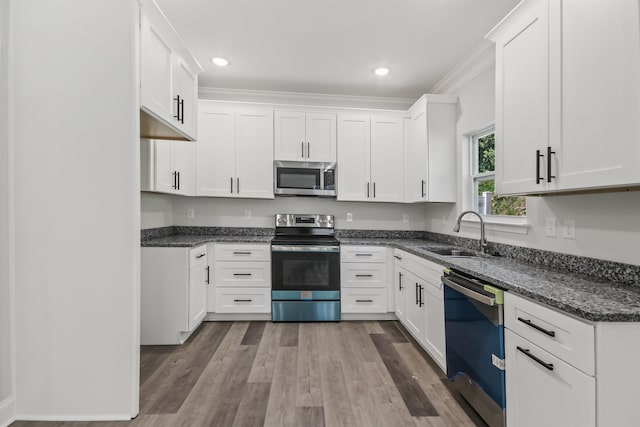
304,136
169,79
167,166
433,175
354,166
234,152
567,97
370,158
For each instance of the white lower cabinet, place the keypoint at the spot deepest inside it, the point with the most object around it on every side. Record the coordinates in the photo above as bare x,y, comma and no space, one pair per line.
242,278
363,279
542,390
173,297
420,302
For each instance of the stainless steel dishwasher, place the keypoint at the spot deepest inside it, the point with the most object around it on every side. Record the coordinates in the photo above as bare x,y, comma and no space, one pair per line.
474,320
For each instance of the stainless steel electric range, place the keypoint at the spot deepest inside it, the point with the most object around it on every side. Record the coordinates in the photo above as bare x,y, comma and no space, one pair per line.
305,269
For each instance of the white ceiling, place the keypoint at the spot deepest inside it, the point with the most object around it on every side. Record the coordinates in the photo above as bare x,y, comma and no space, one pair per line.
332,46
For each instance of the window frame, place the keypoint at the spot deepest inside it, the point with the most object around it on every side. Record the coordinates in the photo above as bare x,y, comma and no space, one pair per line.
475,175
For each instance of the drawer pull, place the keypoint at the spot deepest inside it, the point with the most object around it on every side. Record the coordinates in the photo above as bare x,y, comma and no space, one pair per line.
527,353
364,254
242,300
241,253
364,275
208,281
397,257
242,274
364,300
536,327
400,281
200,256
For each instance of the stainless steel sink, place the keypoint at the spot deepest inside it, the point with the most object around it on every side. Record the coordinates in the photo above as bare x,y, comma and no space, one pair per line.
450,251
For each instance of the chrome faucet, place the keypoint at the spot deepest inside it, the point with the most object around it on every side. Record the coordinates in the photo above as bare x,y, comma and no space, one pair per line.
483,239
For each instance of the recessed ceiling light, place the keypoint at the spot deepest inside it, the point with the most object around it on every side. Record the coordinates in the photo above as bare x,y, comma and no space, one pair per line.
381,71
220,62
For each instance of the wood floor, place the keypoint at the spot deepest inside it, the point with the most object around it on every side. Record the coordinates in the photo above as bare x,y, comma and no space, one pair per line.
288,374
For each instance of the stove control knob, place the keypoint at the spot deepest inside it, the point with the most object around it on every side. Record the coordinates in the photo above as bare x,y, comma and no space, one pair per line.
282,220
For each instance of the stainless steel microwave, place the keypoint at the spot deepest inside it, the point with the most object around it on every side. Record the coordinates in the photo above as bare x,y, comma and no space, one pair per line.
304,178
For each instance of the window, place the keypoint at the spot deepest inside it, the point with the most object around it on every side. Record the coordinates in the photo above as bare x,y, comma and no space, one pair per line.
483,176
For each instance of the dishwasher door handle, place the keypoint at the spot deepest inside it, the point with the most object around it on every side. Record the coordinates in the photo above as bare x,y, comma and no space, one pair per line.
469,292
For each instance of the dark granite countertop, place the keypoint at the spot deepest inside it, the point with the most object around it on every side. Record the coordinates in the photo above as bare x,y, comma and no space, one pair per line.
579,295
575,294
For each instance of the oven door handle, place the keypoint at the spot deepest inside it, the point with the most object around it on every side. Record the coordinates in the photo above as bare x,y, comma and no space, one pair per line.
469,293
278,248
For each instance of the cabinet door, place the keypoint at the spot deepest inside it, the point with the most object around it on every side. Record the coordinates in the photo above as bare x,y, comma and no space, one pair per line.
557,395
321,137
166,181
155,67
216,156
185,85
522,103
387,159
290,137
414,309
353,172
600,94
434,336
197,296
419,153
254,154
400,286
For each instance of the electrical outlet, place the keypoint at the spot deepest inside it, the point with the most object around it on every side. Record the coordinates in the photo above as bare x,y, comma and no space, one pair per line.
405,218
569,228
349,217
191,213
247,214
550,227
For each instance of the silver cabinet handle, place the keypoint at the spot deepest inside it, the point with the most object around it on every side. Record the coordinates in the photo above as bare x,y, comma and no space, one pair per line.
200,256
308,150
364,254
241,253
242,274
364,275
242,300
364,300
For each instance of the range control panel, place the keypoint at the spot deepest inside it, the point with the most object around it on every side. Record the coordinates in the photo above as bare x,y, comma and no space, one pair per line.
300,220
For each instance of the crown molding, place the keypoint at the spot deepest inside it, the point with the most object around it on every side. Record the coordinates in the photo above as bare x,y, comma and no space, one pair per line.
468,69
304,99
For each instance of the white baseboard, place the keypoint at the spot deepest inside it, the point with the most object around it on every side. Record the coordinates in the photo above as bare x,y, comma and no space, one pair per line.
368,316
231,317
85,418
7,411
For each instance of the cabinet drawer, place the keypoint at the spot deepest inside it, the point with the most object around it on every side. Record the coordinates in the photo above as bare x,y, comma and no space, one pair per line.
563,336
363,254
358,275
198,256
364,300
243,300
229,273
242,252
542,390
423,268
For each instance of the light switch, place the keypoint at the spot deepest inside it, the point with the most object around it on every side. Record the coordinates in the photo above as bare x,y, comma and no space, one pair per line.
349,217
191,213
550,227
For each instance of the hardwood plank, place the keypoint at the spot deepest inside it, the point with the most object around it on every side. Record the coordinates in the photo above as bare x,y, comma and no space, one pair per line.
289,335
411,392
253,406
310,416
392,329
151,358
185,367
253,334
373,327
281,410
308,385
338,410
263,366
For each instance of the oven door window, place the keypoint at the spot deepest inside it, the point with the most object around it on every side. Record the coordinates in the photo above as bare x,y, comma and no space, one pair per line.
305,271
298,178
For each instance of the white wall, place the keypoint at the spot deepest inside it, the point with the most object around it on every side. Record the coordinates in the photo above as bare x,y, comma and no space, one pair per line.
156,210
6,309
230,212
77,208
607,225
